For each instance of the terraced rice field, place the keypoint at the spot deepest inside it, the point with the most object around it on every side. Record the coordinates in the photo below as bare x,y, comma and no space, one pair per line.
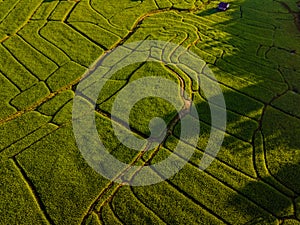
253,49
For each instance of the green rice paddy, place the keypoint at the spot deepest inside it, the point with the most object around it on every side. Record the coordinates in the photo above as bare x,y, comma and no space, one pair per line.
253,49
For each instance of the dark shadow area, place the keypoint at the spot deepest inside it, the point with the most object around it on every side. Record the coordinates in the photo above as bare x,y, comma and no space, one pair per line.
208,12
256,55
260,51
272,203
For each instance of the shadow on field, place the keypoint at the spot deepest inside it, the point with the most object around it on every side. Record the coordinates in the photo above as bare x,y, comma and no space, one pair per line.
279,129
257,57
271,201
261,54
208,12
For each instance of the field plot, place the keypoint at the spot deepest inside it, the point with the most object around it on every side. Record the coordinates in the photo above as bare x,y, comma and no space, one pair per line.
253,50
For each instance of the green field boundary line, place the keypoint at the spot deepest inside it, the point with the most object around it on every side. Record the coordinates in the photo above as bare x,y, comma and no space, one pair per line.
234,189
155,2
102,16
259,129
286,113
32,190
13,83
37,50
51,74
110,204
187,195
110,184
87,37
148,208
65,53
115,214
169,131
255,132
135,26
98,25
170,128
267,167
71,84
217,159
263,173
108,199
256,75
23,25
66,16
95,202
237,90
20,139
232,110
127,81
110,209
53,44
38,103
24,66
258,50
191,198
6,152
241,12
226,131
101,219
220,161
9,11
49,14
58,110
120,122
188,101
52,11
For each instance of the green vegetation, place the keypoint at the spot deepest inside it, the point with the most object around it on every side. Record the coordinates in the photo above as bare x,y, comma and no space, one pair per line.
253,49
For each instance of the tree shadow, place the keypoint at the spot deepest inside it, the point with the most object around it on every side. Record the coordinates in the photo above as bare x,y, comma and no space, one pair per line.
209,12
254,64
272,202
262,44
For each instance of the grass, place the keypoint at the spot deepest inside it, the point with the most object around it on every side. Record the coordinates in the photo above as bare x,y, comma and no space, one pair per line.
61,10
31,59
51,107
17,74
30,33
64,75
70,42
125,202
9,91
77,190
18,16
23,126
20,200
30,96
252,49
